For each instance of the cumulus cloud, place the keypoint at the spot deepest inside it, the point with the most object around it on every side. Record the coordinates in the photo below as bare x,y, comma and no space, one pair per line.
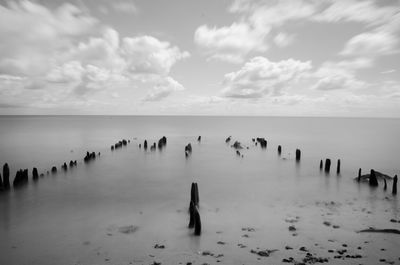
259,76
147,54
230,43
163,88
68,50
33,34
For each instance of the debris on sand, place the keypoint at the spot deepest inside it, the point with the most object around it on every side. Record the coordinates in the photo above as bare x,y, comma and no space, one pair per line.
378,175
374,230
159,246
237,145
263,253
248,229
129,229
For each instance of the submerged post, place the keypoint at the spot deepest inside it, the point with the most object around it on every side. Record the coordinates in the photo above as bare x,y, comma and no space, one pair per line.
385,186
194,215
373,182
359,175
327,165
279,150
6,176
145,145
197,222
321,164
338,167
298,154
35,175
394,189
191,214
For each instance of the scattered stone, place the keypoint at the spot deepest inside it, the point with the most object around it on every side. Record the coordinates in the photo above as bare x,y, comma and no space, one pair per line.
327,223
159,246
303,249
292,228
221,243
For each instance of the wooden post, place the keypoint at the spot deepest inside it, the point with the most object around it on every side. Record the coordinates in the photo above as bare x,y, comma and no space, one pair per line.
6,176
394,189
197,222
298,154
327,165
338,167
35,175
373,182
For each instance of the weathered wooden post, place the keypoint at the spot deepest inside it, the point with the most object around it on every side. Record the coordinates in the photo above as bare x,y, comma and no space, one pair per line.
53,170
35,175
373,182
394,189
191,214
197,222
194,215
385,185
321,164
6,176
145,145
359,175
199,138
197,202
327,165
193,193
279,150
298,154
338,167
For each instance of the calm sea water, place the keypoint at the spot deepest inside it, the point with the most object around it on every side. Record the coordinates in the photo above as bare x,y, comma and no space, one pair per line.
74,217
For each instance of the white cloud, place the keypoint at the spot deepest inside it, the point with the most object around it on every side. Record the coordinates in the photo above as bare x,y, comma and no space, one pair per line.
341,75
33,34
163,88
146,54
259,76
355,11
125,7
338,81
283,39
230,43
371,44
65,53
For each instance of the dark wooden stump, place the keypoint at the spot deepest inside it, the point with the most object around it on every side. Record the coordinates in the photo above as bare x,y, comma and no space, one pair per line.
373,182
298,154
327,165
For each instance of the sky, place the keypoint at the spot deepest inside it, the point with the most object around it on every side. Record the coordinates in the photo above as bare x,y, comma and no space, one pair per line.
170,57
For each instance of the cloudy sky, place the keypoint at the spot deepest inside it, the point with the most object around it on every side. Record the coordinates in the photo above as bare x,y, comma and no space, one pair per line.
240,57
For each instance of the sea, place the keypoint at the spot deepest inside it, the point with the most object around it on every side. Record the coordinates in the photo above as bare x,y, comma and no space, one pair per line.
117,207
